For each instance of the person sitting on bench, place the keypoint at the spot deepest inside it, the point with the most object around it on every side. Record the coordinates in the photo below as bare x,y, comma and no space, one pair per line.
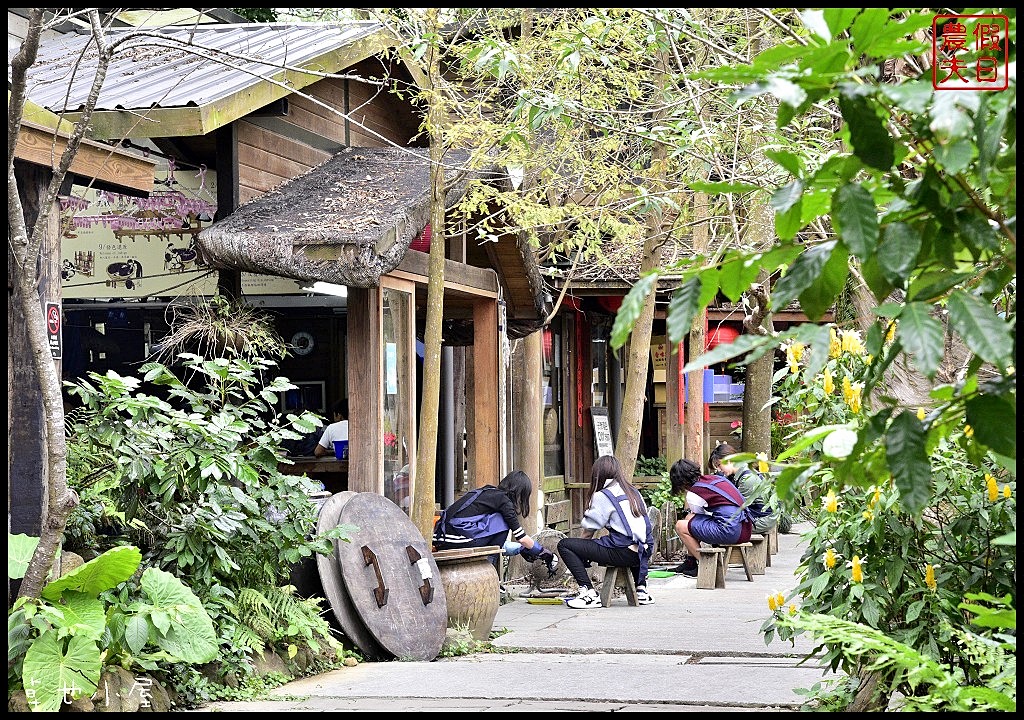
718,515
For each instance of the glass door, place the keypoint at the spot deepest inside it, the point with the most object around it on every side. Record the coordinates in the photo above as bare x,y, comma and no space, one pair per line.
398,394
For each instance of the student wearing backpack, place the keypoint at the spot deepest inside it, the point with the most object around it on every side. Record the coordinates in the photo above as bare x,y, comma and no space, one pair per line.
484,516
718,512
617,506
747,481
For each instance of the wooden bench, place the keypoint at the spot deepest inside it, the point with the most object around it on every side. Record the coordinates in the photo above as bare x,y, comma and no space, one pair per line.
714,562
618,577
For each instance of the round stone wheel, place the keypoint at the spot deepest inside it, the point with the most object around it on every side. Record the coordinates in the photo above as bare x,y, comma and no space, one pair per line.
537,572
392,579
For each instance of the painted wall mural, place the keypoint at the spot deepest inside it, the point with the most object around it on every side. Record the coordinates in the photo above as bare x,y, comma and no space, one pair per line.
120,246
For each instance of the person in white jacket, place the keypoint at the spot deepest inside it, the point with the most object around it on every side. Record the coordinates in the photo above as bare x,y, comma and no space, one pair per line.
616,506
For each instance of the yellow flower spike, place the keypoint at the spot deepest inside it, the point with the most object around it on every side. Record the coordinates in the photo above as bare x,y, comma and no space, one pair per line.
868,515
929,577
780,600
828,385
830,558
831,502
792,608
835,347
876,497
890,334
1007,492
857,574
762,462
772,605
968,431
993,488
921,414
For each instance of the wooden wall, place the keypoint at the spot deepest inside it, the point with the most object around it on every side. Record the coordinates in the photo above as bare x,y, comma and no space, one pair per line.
273,149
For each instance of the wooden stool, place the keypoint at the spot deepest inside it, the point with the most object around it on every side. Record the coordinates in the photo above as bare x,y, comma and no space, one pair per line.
773,541
730,557
618,577
758,555
710,568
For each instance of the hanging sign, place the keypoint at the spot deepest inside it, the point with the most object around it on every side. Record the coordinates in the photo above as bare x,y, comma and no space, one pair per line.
602,431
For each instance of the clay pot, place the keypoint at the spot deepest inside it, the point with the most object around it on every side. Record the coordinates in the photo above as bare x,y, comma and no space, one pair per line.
471,587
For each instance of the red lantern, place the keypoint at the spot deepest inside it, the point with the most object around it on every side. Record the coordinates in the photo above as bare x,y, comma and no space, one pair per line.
722,335
422,241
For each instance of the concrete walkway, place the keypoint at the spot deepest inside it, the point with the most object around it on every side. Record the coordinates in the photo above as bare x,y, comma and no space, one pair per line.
692,650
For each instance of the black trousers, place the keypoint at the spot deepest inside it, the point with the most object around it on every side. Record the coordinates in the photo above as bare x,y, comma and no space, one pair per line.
575,552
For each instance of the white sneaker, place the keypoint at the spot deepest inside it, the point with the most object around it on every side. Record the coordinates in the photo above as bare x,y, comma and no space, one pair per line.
588,598
643,597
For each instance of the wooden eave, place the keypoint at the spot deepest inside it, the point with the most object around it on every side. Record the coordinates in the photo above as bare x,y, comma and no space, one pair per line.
203,119
109,165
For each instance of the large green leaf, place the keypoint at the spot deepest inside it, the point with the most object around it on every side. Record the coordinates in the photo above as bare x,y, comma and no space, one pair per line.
682,309
856,218
819,296
50,675
907,457
19,554
630,309
922,337
84,614
984,332
802,273
897,252
868,135
191,636
737,277
994,419
103,573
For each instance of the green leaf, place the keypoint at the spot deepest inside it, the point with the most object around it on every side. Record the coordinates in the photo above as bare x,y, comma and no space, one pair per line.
788,160
19,553
994,419
191,638
737,276
875,278
922,336
102,573
913,97
630,309
907,457
951,114
867,27
839,19
897,252
820,294
682,309
984,332
720,353
954,157
976,232
856,218
788,224
868,135
83,615
136,633
49,671
787,196
802,273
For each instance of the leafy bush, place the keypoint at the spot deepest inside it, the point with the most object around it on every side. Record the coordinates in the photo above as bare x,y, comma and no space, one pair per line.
194,480
59,642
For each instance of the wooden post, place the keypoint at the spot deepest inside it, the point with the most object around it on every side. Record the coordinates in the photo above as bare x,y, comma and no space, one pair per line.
527,417
364,386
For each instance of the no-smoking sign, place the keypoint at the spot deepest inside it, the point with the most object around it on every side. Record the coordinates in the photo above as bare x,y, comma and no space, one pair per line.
53,329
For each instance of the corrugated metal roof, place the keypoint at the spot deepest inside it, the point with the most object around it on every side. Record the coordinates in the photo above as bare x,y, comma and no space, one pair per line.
177,67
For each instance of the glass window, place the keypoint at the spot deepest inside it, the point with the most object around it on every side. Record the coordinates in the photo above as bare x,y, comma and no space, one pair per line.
399,395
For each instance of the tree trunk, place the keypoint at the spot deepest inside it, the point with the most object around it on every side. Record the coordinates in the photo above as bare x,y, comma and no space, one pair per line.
693,430
426,462
627,443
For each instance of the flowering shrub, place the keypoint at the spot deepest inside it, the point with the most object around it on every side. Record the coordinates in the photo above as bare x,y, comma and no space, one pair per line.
870,558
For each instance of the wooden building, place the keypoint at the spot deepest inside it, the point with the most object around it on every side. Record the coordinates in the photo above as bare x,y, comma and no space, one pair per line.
319,177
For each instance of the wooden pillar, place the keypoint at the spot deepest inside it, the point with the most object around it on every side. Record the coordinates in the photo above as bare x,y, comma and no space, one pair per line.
364,387
528,415
484,433
674,399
